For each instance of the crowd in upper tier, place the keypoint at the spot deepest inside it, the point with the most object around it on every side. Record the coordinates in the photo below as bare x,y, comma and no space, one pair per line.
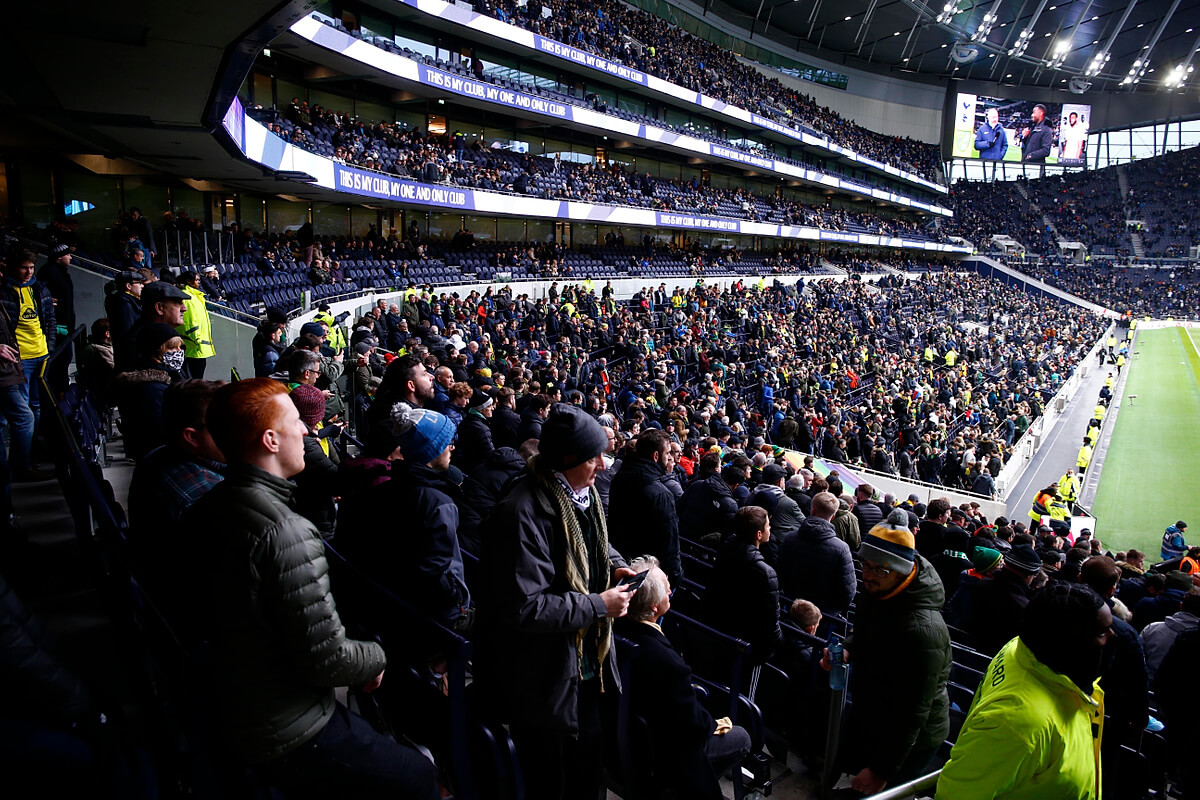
649,43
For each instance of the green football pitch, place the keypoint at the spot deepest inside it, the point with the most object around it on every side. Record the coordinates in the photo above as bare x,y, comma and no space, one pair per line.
1149,477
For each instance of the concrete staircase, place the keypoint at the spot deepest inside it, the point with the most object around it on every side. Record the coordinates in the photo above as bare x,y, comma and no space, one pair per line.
1139,246
1135,236
1045,219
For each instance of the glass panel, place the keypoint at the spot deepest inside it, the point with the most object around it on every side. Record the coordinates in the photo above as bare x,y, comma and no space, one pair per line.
284,215
543,231
484,228
510,229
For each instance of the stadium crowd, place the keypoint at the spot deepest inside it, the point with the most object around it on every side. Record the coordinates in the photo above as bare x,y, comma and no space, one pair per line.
448,159
568,462
653,45
1165,291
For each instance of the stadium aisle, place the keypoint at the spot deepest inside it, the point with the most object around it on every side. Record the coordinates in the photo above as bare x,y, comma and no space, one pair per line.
1062,449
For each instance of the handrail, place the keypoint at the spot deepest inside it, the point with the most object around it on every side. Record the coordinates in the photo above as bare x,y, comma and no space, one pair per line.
907,789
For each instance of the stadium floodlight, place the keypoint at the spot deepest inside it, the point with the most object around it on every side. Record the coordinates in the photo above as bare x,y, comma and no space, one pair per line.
948,13
1098,62
987,23
1022,44
1059,54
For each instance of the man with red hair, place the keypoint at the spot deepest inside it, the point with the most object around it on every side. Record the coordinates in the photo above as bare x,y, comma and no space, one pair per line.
278,648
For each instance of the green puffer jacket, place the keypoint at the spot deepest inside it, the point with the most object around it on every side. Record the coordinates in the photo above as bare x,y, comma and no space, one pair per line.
900,662
277,645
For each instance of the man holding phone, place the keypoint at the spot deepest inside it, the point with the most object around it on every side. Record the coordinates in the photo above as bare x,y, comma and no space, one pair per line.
545,624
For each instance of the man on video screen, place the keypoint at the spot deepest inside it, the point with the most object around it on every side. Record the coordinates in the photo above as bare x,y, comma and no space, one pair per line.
1071,138
1037,141
991,141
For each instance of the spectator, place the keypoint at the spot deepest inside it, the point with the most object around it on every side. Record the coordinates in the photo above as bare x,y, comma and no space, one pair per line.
505,420
185,468
742,597
140,392
277,644
984,564
475,432
30,309
707,508
998,605
698,748
1034,727
553,603
814,564
641,509
317,483
97,365
1179,667
1157,637
900,652
55,275
785,513
866,512
17,464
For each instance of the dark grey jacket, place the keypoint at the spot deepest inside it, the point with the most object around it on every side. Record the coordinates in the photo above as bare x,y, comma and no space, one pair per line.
278,646
642,517
530,616
814,564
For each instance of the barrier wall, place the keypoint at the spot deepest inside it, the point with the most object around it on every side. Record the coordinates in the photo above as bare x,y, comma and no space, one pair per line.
231,339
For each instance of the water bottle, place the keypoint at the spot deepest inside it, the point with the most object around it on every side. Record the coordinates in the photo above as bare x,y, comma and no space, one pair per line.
837,673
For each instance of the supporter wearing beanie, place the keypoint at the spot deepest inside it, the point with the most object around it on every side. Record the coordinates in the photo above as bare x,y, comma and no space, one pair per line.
900,651
317,484
570,437
425,436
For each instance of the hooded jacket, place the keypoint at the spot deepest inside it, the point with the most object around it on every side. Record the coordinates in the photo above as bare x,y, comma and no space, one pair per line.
845,525
742,597
706,507
900,664
785,512
1158,637
815,564
1031,733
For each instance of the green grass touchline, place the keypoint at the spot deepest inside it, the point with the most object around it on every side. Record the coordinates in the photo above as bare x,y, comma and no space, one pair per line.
1148,478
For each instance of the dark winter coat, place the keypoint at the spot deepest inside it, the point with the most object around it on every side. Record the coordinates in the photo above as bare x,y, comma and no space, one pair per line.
706,507
278,648
900,657
663,695
997,610
474,442
528,666
742,598
505,424
868,515
481,491
814,564
317,486
642,519
785,512
419,559
139,396
530,427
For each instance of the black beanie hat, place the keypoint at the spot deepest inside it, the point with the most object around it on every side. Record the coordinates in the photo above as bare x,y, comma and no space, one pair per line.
153,337
570,437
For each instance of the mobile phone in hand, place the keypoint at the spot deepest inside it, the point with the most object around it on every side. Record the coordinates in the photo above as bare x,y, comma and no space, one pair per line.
631,582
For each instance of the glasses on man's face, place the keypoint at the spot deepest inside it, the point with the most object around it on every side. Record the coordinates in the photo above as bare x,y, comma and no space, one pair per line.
881,572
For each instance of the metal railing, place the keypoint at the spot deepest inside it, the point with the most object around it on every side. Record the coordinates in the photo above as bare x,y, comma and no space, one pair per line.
908,789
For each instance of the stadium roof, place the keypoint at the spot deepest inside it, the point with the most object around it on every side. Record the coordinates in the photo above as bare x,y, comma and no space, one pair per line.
1113,44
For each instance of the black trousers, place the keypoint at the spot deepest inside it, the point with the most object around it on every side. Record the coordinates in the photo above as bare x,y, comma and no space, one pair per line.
195,367
558,767
349,758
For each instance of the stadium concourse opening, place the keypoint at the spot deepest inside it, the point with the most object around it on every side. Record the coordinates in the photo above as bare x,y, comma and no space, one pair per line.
521,399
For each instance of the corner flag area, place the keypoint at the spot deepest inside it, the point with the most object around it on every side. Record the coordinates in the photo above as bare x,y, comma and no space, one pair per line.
1147,480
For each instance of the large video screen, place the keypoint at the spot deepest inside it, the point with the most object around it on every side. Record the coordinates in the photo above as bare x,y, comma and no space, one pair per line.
1001,129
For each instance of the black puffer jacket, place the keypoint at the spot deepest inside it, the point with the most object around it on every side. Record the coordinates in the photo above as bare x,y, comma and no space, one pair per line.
900,661
481,492
642,517
706,507
742,599
278,645
139,398
814,564
474,442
